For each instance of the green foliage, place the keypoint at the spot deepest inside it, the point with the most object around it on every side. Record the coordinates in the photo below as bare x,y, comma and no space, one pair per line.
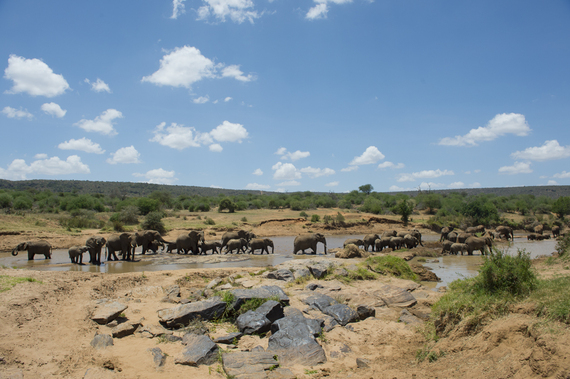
228,204
553,298
209,221
23,203
480,211
561,206
563,247
7,282
372,205
153,221
253,304
339,218
390,265
366,188
404,208
147,205
5,200
81,219
501,272
327,219
315,218
304,215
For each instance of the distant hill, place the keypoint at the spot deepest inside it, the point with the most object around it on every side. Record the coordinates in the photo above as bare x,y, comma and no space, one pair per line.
129,189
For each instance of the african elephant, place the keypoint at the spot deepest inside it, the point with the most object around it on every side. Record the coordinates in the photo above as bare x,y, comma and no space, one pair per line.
555,231
354,241
369,240
417,235
459,248
120,242
170,247
236,235
34,247
381,243
76,253
446,247
444,232
262,244
396,243
461,237
475,229
452,236
389,233
538,229
532,237
505,231
402,233
478,243
236,244
309,241
95,244
410,241
210,245
144,238
153,246
189,242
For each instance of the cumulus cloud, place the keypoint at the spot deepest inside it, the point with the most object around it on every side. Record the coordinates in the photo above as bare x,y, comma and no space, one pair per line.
370,156
216,148
295,156
457,185
158,176
255,186
501,124
229,132
17,113
391,165
552,183
517,168
34,77
331,184
317,172
548,151
98,85
103,123
257,172
425,174
285,171
236,10
181,137
186,65
125,155
228,99
201,100
83,144
321,8
177,8
562,175
348,169
290,183
18,169
53,109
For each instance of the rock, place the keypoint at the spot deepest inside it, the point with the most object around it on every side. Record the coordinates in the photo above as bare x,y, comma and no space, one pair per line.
258,349
214,283
182,315
124,329
101,341
340,272
342,313
319,301
252,322
423,273
246,365
365,311
13,374
313,286
271,309
314,325
171,338
407,318
351,251
302,273
282,274
200,350
95,373
264,292
295,344
318,271
281,373
229,338
151,331
362,363
395,296
329,323
226,287
158,357
107,312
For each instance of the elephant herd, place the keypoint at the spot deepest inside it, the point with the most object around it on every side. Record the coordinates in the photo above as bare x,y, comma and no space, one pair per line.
389,239
474,238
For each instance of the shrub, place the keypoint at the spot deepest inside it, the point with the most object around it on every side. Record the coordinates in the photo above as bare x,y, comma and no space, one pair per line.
315,218
304,215
5,200
504,273
209,221
23,203
153,221
81,219
390,265
146,205
327,219
339,217
563,246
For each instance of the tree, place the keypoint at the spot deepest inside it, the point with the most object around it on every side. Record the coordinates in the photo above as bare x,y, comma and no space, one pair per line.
228,204
366,188
432,201
404,209
561,206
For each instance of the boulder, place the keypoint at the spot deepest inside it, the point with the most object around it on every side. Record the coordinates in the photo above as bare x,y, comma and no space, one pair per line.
182,315
302,273
365,311
319,301
294,344
151,331
282,274
313,286
229,338
314,325
248,365
200,350
342,313
395,296
318,271
264,292
125,329
407,318
252,322
107,312
271,309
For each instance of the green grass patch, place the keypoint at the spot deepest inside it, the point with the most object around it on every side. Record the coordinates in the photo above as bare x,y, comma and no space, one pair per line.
8,282
390,265
361,273
553,298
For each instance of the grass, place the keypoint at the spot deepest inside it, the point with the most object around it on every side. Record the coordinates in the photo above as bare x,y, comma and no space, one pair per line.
390,265
8,282
553,299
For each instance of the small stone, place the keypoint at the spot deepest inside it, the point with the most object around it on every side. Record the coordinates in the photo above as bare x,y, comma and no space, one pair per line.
101,341
158,357
362,363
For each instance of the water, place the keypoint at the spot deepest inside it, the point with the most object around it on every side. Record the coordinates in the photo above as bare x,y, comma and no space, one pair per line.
448,268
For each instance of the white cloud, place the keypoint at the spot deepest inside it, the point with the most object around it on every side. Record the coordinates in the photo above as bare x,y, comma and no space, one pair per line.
17,113
33,77
125,155
177,8
396,189
552,183
103,124
255,186
475,185
176,136
257,172
425,174
391,165
53,109
40,156
348,169
517,168
317,172
321,9
548,151
201,100
237,10
18,169
562,175
290,183
501,124
216,147
186,65
158,176
228,99
285,171
371,155
293,156
457,185
83,144
228,132
331,184
98,85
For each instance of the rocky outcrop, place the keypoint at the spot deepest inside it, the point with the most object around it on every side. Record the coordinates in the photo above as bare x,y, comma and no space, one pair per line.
182,315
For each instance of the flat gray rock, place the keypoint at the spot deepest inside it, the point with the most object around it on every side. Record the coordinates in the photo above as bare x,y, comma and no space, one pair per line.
246,365
395,296
158,357
282,274
264,292
252,322
318,270
200,350
228,339
182,315
295,344
102,341
319,301
107,312
342,313
124,329
407,318
302,273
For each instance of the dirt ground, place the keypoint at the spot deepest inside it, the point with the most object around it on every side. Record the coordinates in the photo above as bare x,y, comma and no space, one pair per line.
46,329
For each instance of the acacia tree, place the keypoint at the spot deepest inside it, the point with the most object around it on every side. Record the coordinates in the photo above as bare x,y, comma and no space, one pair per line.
366,188
404,209
561,206
228,204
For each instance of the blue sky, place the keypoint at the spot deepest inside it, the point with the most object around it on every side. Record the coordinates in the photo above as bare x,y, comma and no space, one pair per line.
318,95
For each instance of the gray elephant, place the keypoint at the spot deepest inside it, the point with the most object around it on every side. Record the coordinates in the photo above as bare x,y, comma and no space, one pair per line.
410,241
309,241
476,229
452,236
389,233
556,231
144,238
461,237
381,243
539,229
355,241
76,254
237,245
154,246
120,242
33,248
478,243
236,235
505,231
459,248
95,244
446,247
396,243
369,241
262,244
532,237
444,232
214,246
170,247
189,242
417,235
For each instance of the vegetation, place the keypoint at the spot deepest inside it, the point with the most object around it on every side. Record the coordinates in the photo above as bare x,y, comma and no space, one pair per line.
7,282
390,265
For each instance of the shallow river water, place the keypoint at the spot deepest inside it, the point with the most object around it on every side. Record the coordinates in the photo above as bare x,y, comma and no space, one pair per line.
448,268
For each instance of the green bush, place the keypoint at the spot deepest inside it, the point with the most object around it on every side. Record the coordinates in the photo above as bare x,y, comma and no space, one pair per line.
304,215
315,218
390,265
209,221
504,273
147,205
23,203
81,219
153,221
5,200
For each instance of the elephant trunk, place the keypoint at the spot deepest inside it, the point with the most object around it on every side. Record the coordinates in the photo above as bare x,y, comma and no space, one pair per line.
15,252
325,247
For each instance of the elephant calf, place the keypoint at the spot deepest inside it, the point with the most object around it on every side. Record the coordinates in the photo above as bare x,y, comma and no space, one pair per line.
171,247
236,244
76,254
210,245
459,248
